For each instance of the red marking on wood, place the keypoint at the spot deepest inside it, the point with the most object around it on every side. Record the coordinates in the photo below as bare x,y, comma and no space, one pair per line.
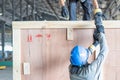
48,36
29,39
39,35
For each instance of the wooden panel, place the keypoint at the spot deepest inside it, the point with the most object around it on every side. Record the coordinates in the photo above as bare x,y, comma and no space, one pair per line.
112,62
63,24
48,52
16,55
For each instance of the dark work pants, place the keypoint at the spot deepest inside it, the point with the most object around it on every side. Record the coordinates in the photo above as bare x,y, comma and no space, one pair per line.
87,8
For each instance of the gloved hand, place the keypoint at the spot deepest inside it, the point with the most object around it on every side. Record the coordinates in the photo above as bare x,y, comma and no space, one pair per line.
98,21
64,12
95,42
98,18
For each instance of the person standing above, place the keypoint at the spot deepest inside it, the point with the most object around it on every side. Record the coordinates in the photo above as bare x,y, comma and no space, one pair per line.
86,5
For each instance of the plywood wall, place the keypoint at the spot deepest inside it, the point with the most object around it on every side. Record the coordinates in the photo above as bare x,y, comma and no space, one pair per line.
112,63
48,52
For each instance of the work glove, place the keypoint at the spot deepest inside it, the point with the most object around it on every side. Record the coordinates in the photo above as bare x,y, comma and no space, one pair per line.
98,20
95,42
64,12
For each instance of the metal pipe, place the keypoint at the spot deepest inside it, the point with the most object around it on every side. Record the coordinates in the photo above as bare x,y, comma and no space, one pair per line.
3,40
33,10
27,9
56,15
2,25
21,10
13,11
3,7
107,10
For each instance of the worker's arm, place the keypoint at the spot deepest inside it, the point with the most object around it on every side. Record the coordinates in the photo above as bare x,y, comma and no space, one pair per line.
92,47
98,23
96,65
64,10
95,4
96,7
62,2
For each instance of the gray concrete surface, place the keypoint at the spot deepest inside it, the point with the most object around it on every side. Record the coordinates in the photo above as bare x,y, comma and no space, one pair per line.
6,74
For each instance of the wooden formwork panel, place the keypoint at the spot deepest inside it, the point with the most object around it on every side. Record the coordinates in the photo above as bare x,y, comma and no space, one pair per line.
47,51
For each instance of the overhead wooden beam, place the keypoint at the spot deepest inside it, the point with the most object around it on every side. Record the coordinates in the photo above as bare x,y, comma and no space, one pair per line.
63,24
31,25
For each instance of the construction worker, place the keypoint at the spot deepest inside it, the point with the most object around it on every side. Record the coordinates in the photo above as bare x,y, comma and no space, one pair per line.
86,5
80,69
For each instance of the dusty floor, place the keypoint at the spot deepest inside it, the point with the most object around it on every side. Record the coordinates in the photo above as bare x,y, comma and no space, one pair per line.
6,74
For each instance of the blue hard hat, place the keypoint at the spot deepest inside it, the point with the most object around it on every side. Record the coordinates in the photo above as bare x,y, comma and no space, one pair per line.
79,56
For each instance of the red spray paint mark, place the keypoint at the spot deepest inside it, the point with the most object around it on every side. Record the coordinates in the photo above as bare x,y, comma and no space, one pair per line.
29,39
39,35
48,36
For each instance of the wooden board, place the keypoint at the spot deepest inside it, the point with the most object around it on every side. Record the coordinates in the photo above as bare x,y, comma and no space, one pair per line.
63,24
48,52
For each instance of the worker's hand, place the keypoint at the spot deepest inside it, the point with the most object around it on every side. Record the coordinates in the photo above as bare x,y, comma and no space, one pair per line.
64,12
92,47
98,16
98,20
95,42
